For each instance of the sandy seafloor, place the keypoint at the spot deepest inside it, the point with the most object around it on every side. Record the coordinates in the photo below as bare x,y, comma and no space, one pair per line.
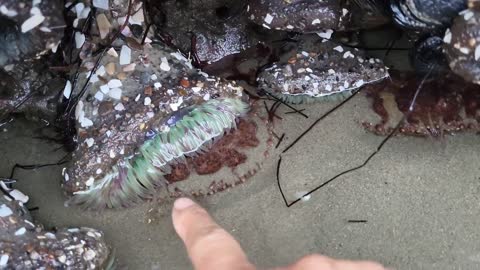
420,198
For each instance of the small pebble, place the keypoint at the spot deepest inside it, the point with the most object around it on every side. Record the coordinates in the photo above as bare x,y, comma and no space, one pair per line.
110,68
103,25
112,52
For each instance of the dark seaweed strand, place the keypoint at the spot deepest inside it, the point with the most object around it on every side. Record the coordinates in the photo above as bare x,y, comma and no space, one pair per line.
273,109
379,147
292,112
280,140
63,160
357,221
278,182
284,103
320,119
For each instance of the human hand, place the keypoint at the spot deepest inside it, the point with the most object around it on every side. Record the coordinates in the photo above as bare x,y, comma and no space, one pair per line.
212,248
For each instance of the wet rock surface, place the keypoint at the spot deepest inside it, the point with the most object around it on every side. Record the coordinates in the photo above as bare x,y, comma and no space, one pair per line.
31,89
210,30
216,34
29,28
25,245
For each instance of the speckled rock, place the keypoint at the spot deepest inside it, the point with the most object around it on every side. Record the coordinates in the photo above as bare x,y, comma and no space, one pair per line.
320,70
24,245
462,45
314,16
29,87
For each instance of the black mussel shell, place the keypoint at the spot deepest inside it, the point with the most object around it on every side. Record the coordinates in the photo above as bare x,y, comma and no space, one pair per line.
424,15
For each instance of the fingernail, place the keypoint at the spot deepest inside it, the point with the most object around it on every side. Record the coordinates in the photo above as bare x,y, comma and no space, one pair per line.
182,203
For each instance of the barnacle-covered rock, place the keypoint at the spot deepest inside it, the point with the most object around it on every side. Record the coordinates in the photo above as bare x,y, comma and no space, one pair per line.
29,28
209,30
315,16
24,245
446,104
30,88
322,70
424,15
462,45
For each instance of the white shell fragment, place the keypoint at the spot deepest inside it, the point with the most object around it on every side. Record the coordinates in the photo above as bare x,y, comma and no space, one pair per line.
164,65
268,19
115,93
103,4
67,91
147,101
79,40
20,231
5,211
4,259
327,34
89,142
119,107
32,22
114,83
19,196
125,55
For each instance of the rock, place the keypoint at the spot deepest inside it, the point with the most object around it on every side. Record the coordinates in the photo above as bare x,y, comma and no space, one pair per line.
25,245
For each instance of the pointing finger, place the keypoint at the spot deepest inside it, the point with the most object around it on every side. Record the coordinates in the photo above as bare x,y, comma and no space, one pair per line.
209,246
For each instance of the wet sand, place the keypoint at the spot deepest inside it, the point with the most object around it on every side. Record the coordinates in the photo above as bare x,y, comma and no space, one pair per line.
419,199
